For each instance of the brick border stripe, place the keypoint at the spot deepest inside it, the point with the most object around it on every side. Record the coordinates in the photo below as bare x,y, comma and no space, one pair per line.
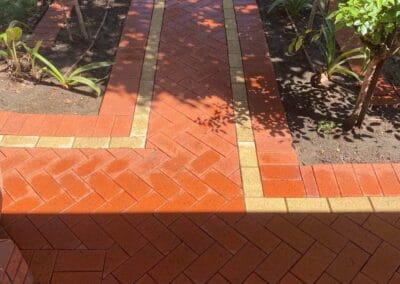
249,169
141,116
383,204
251,135
138,131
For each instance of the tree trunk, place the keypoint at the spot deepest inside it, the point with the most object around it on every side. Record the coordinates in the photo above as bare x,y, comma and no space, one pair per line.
81,22
367,90
371,89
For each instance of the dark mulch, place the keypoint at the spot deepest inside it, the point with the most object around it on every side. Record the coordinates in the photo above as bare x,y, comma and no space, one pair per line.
30,97
307,106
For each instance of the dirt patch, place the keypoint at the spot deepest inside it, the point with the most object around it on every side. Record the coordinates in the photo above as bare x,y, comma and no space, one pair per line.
391,70
23,96
27,97
315,114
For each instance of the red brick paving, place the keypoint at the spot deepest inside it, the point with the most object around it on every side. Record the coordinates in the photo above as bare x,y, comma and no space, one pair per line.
174,212
276,155
251,248
49,26
116,111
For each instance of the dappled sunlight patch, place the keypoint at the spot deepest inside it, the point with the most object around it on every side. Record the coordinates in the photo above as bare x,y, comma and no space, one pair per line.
209,23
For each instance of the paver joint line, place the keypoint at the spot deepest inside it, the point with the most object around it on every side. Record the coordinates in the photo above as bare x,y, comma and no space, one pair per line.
252,181
140,121
249,164
176,212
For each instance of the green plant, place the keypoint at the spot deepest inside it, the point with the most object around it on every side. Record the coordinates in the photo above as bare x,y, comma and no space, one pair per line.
335,64
299,41
294,7
326,126
76,77
11,40
14,10
377,25
32,52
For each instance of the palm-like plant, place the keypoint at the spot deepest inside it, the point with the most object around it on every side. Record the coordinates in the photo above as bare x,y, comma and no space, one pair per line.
14,49
76,77
336,64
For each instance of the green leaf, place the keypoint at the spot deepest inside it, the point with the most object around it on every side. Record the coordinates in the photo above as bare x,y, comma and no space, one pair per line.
13,34
291,46
345,71
299,43
374,21
90,66
74,80
351,53
51,69
316,37
3,54
37,46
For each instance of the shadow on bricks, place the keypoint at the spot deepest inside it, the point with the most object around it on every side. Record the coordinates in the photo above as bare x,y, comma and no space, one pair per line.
217,247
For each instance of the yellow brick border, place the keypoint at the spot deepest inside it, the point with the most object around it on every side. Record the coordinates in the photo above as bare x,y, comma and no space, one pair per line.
382,204
138,134
143,104
250,172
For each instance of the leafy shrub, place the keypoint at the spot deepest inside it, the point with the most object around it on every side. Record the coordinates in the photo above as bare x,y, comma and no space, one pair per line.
11,10
377,25
373,21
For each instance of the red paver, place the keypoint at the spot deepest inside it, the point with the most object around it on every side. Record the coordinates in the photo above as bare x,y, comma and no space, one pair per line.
175,211
273,140
116,111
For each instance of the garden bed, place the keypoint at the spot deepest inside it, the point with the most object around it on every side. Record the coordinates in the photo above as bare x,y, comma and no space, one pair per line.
17,10
32,97
315,114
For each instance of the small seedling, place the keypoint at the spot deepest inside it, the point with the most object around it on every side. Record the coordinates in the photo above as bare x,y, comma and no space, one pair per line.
326,126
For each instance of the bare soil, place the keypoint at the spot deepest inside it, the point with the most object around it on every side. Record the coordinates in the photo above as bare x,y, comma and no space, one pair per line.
391,71
309,107
46,97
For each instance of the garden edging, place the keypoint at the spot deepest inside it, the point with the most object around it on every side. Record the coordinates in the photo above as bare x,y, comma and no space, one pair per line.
112,127
281,174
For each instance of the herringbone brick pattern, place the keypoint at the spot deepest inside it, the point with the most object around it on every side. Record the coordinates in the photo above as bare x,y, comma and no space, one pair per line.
41,181
174,212
281,173
193,99
220,248
190,162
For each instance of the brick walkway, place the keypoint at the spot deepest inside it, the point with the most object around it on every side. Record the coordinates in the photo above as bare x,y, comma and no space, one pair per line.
178,209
